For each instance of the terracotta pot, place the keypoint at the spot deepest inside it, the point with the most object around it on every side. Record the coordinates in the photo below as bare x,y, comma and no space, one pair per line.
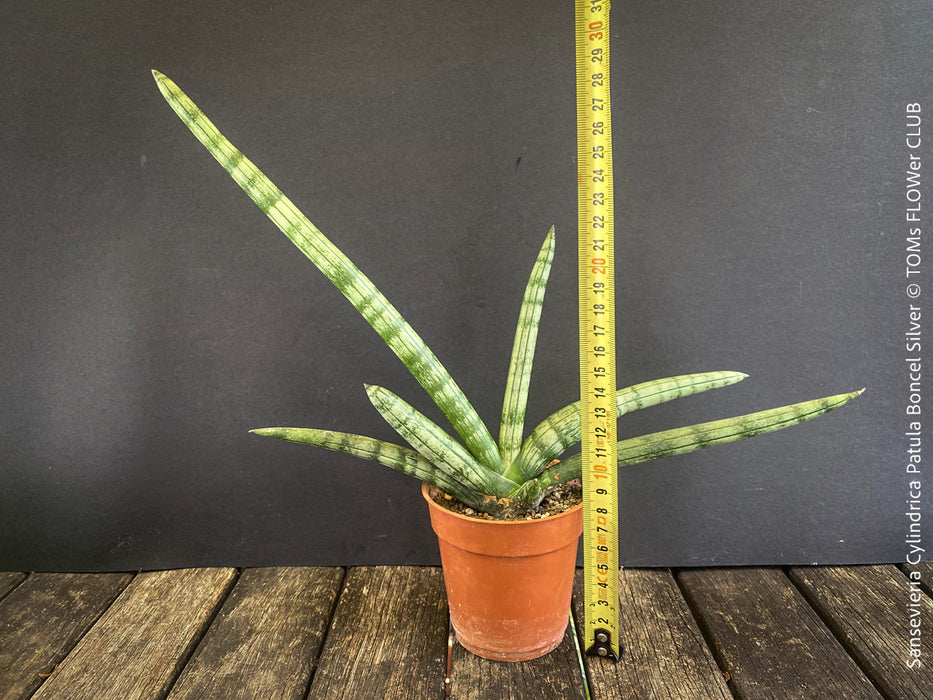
508,581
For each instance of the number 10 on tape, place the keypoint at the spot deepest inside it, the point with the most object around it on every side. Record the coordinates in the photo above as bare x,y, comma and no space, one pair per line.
597,331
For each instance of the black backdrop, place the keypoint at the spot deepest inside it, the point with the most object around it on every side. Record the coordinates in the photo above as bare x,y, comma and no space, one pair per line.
151,315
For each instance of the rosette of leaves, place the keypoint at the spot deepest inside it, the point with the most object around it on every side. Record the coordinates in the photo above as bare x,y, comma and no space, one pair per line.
504,478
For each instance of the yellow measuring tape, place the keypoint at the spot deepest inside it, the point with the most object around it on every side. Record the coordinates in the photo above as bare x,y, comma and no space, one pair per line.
597,331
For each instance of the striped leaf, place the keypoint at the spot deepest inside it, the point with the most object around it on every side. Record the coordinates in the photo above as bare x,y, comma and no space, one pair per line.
400,458
437,446
357,288
561,429
696,437
523,352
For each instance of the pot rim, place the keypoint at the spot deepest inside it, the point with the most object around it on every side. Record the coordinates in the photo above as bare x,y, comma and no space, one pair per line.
426,489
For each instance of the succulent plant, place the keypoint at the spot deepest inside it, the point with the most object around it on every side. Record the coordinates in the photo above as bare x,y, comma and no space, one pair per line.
504,479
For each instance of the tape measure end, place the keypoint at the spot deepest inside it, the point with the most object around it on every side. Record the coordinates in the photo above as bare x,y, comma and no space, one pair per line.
602,646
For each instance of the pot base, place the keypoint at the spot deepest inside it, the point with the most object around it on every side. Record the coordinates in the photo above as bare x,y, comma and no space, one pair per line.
523,655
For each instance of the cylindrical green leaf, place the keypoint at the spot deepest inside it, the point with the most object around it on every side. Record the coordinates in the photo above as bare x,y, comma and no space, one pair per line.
436,446
523,352
358,289
561,429
696,437
400,458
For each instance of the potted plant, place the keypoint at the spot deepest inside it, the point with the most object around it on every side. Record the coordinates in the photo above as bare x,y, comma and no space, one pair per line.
508,570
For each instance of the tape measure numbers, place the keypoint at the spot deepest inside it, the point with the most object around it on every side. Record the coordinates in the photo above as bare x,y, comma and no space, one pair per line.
597,331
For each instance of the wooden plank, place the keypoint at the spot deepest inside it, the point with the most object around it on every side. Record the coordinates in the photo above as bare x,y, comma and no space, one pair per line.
870,608
140,644
42,619
664,654
924,571
266,638
555,675
388,638
9,580
768,639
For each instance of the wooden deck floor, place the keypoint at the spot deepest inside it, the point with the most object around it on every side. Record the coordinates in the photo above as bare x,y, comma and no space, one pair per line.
382,632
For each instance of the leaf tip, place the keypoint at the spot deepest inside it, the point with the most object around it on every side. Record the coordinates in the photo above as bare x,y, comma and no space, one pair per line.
163,83
266,432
